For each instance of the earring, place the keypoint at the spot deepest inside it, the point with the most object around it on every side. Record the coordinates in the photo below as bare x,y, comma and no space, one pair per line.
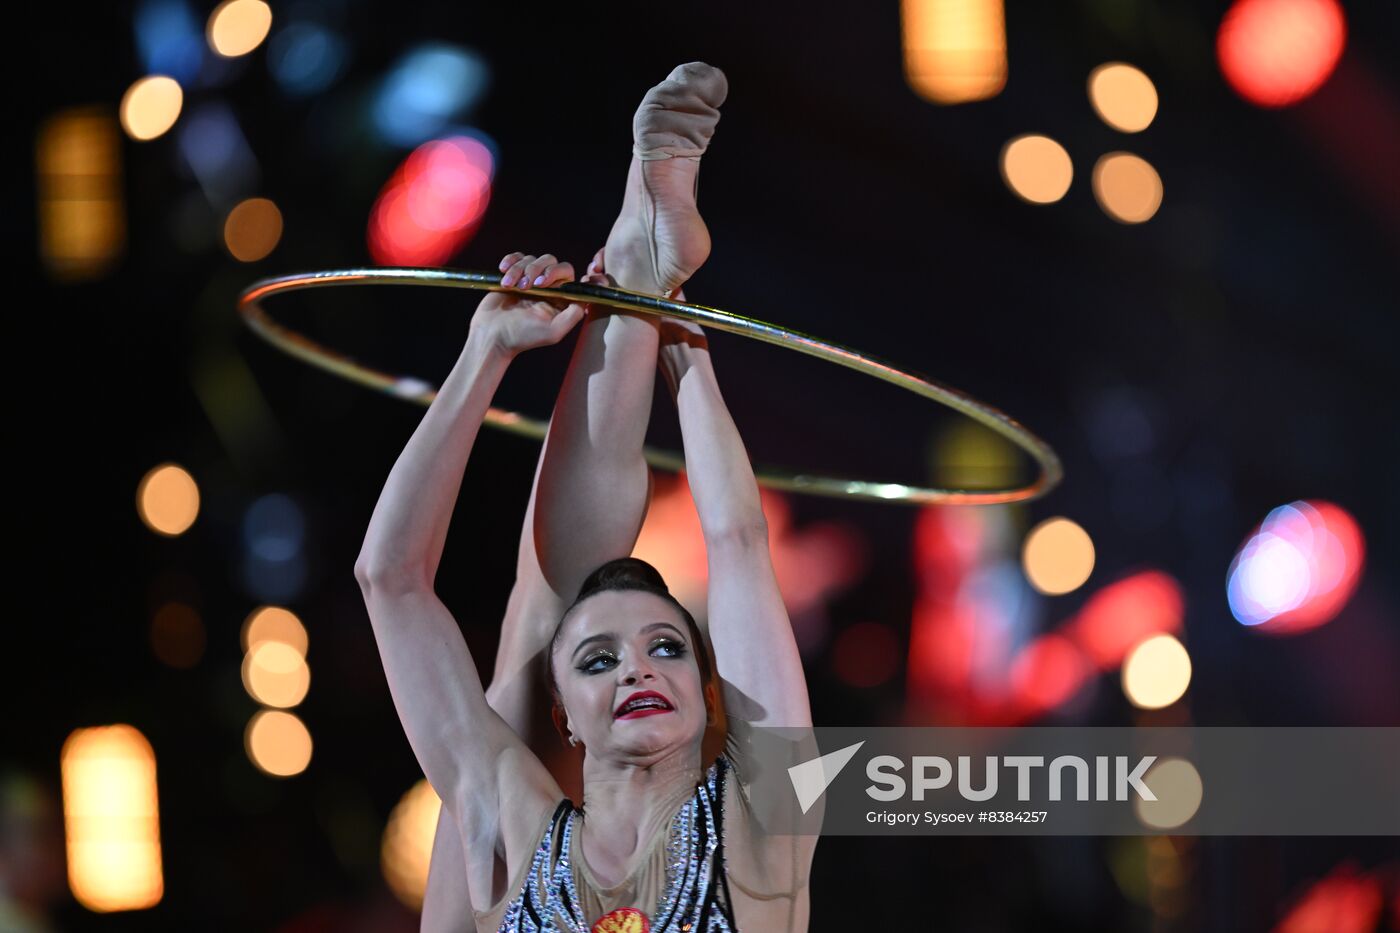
573,740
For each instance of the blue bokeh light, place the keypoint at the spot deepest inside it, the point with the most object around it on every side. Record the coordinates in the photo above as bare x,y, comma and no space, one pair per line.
169,40
306,58
431,86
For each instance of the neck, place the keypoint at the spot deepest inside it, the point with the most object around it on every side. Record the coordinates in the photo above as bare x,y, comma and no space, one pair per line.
627,798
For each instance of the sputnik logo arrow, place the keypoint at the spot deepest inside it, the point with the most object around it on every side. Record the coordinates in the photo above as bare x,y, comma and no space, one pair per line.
811,778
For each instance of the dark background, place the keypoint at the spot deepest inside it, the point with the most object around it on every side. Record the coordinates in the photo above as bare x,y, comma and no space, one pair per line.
1252,322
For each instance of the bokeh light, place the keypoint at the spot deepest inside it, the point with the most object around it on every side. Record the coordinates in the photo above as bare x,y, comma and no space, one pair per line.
111,814
237,27
306,57
1127,187
1277,52
151,106
1058,556
1157,672
967,455
167,499
431,86
1123,96
252,229
866,654
276,674
1122,614
1036,168
168,39
954,50
1047,673
215,149
1298,569
177,635
274,567
278,743
1350,899
82,214
275,624
407,846
1176,784
433,203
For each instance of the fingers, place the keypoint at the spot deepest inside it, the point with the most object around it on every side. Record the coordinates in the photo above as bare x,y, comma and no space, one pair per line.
522,270
565,320
597,274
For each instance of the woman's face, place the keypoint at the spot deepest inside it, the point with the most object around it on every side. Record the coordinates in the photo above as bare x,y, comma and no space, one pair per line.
626,672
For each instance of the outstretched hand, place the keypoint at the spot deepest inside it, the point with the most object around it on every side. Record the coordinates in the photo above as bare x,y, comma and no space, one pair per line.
513,322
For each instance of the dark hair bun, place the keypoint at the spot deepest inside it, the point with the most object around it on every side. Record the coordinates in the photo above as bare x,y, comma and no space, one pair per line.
631,573
623,573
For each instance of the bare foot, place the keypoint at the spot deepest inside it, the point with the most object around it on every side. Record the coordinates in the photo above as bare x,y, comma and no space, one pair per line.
659,239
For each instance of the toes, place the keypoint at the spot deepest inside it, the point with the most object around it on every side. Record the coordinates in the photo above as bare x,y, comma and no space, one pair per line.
680,113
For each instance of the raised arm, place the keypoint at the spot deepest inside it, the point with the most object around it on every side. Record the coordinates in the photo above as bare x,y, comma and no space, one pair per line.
594,484
755,652
479,767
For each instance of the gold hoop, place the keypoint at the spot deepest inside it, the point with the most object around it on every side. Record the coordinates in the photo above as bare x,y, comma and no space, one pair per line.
302,347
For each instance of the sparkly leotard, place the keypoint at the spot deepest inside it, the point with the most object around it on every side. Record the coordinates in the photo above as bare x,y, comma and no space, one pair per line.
696,895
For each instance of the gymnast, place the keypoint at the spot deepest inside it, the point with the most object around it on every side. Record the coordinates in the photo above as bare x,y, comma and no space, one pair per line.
664,840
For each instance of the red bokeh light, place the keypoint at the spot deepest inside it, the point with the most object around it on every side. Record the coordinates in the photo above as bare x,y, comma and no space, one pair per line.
1346,901
1123,614
433,203
1277,52
1046,673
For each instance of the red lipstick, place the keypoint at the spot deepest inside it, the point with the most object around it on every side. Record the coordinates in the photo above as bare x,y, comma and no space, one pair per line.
643,703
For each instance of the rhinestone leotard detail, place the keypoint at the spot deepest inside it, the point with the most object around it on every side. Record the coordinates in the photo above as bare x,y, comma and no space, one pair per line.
696,898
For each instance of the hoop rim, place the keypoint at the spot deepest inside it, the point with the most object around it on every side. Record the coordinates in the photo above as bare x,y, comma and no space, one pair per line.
416,390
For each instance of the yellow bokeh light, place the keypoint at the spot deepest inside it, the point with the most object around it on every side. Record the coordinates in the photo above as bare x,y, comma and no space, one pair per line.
968,456
1123,97
1157,672
1127,188
151,106
236,27
1176,784
954,50
252,230
167,500
1036,168
1058,556
407,846
111,816
276,674
273,623
82,217
177,635
278,743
